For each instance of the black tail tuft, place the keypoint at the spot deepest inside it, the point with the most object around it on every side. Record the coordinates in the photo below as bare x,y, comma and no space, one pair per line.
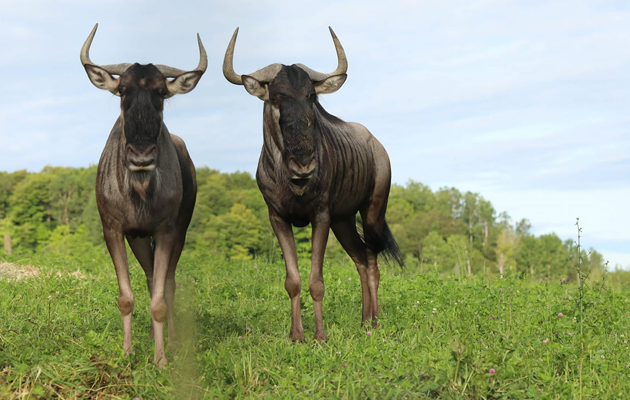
382,241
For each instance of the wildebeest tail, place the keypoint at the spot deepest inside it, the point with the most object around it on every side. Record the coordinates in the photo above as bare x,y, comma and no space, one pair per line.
382,241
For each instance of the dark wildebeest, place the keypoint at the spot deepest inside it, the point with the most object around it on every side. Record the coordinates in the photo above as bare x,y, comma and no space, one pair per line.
315,168
145,184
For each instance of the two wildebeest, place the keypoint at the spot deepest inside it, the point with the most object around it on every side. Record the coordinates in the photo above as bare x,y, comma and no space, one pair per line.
314,168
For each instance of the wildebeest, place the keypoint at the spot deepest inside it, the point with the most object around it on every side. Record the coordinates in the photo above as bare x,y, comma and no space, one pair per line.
145,184
315,168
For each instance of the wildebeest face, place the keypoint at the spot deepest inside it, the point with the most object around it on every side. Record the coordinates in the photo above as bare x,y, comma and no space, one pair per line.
293,95
142,90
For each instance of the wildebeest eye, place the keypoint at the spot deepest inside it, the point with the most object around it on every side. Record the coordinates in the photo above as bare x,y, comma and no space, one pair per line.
311,96
275,100
121,90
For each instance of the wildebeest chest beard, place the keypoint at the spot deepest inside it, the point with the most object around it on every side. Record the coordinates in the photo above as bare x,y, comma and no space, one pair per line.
143,185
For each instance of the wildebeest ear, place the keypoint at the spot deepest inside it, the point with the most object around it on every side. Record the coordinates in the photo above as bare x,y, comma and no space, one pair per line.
183,83
256,88
102,79
330,84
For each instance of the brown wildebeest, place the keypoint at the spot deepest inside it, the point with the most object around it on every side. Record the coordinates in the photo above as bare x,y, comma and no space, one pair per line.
145,184
315,168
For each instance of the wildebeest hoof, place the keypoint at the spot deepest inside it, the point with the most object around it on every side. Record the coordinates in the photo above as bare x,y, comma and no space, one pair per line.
321,336
296,336
161,362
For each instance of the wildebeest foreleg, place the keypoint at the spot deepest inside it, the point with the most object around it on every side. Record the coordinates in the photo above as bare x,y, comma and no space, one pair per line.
163,250
321,228
143,251
347,235
292,283
116,246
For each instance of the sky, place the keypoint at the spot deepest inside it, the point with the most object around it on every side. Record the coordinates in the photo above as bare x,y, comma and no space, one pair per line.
526,102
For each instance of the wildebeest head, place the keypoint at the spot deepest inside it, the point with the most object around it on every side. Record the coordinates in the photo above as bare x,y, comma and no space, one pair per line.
292,92
142,90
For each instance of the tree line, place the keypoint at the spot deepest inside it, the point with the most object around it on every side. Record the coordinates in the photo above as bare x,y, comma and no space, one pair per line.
448,231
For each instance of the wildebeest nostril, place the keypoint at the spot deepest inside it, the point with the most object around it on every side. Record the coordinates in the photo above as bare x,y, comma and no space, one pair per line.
301,170
142,156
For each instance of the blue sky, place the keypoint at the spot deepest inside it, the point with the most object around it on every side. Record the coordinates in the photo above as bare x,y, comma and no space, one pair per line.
526,102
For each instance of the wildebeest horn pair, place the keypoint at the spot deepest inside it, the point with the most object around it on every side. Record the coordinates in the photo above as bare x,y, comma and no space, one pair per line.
269,72
174,87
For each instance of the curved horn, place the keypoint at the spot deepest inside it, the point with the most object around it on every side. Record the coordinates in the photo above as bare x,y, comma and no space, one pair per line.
85,50
264,75
342,62
170,72
228,62
115,69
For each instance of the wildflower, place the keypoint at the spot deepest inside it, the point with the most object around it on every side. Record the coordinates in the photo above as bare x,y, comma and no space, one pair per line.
546,341
492,371
536,310
491,318
570,334
349,279
248,329
255,266
378,265
343,364
565,297
240,337
500,289
564,280
560,315
369,333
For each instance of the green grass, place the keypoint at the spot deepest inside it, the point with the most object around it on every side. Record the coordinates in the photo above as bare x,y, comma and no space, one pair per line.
61,336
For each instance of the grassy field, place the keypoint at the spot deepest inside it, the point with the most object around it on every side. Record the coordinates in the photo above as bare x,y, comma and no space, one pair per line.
440,337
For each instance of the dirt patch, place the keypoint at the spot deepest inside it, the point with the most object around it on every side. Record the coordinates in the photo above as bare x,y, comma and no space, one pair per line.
16,272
